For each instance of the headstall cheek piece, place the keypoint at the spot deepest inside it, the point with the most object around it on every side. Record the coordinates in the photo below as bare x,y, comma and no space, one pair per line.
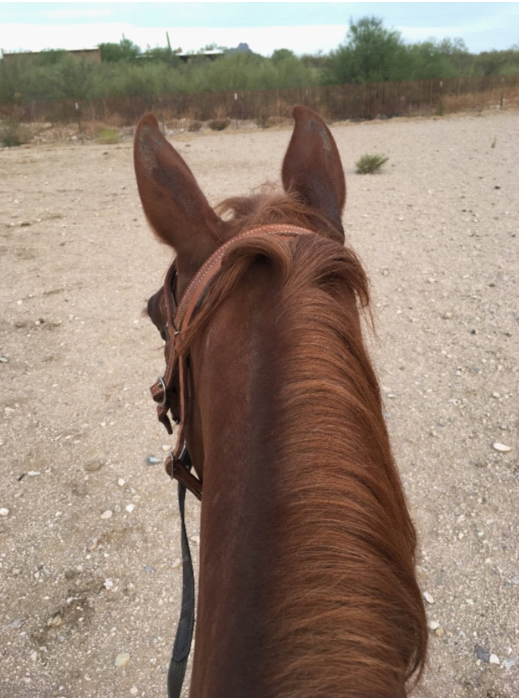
177,463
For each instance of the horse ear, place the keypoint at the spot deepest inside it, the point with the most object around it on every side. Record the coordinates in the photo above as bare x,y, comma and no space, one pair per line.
173,202
312,166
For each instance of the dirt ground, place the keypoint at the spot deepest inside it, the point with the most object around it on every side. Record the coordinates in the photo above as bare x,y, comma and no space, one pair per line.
89,531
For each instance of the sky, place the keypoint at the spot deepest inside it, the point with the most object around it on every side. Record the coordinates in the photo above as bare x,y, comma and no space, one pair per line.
303,27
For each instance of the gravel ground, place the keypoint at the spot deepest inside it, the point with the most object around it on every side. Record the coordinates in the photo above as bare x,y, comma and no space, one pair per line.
89,532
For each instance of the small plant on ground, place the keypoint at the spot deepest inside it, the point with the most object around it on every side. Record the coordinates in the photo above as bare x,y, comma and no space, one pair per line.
107,136
263,119
218,124
369,164
12,133
194,126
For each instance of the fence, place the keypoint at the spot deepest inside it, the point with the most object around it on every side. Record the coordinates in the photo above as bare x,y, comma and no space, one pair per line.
85,120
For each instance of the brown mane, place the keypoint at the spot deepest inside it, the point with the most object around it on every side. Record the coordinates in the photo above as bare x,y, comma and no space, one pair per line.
335,475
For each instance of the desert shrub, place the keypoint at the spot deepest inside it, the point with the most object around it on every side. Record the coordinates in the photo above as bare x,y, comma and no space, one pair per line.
369,164
218,124
107,136
263,118
12,133
194,126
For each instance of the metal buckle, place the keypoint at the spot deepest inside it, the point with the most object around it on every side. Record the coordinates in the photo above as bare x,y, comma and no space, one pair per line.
164,391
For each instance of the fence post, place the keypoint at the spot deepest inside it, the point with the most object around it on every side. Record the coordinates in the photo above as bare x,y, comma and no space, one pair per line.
78,116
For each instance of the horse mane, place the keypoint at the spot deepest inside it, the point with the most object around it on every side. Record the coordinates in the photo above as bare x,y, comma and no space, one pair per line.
346,614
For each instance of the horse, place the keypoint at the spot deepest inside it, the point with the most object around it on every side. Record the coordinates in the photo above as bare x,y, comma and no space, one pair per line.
307,581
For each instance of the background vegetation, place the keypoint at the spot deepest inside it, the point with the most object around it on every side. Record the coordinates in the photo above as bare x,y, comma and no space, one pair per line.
370,53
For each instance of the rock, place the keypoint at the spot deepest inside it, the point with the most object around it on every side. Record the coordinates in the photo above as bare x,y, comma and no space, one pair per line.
130,508
107,514
494,659
122,659
502,448
16,623
434,625
55,621
152,460
509,662
93,466
4,511
428,597
482,654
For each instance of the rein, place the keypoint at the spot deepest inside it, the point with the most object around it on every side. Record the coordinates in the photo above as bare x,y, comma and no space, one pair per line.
178,463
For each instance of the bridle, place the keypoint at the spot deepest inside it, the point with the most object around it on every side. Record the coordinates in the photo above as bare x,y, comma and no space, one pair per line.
178,318
178,462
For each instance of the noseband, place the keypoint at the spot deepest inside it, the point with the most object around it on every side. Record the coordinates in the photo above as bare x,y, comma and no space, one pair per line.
178,317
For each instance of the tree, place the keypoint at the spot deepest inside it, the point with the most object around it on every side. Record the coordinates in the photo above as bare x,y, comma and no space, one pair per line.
429,60
125,50
371,54
282,54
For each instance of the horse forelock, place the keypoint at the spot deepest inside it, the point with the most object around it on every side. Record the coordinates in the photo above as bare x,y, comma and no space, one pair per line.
267,206
346,614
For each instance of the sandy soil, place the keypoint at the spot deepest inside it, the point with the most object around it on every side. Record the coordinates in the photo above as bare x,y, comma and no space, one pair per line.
89,545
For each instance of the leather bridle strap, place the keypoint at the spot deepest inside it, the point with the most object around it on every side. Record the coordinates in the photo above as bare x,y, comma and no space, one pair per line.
178,319
186,623
161,389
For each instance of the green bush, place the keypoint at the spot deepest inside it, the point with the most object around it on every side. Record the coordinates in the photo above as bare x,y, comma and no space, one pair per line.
12,133
218,124
369,164
107,136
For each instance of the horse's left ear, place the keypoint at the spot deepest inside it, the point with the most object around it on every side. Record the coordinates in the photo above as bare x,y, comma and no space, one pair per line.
173,202
312,166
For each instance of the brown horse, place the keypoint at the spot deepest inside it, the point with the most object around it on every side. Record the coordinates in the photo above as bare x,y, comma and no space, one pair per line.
307,584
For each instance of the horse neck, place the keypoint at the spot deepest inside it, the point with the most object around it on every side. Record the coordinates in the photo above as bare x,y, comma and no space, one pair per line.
232,387
305,545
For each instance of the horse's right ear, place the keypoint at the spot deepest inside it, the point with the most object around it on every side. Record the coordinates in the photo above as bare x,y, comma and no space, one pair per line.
312,166
173,202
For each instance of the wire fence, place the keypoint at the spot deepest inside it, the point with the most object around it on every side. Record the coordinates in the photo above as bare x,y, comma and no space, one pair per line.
87,120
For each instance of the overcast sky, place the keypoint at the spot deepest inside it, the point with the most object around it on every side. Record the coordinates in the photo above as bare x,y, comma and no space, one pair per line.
304,27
